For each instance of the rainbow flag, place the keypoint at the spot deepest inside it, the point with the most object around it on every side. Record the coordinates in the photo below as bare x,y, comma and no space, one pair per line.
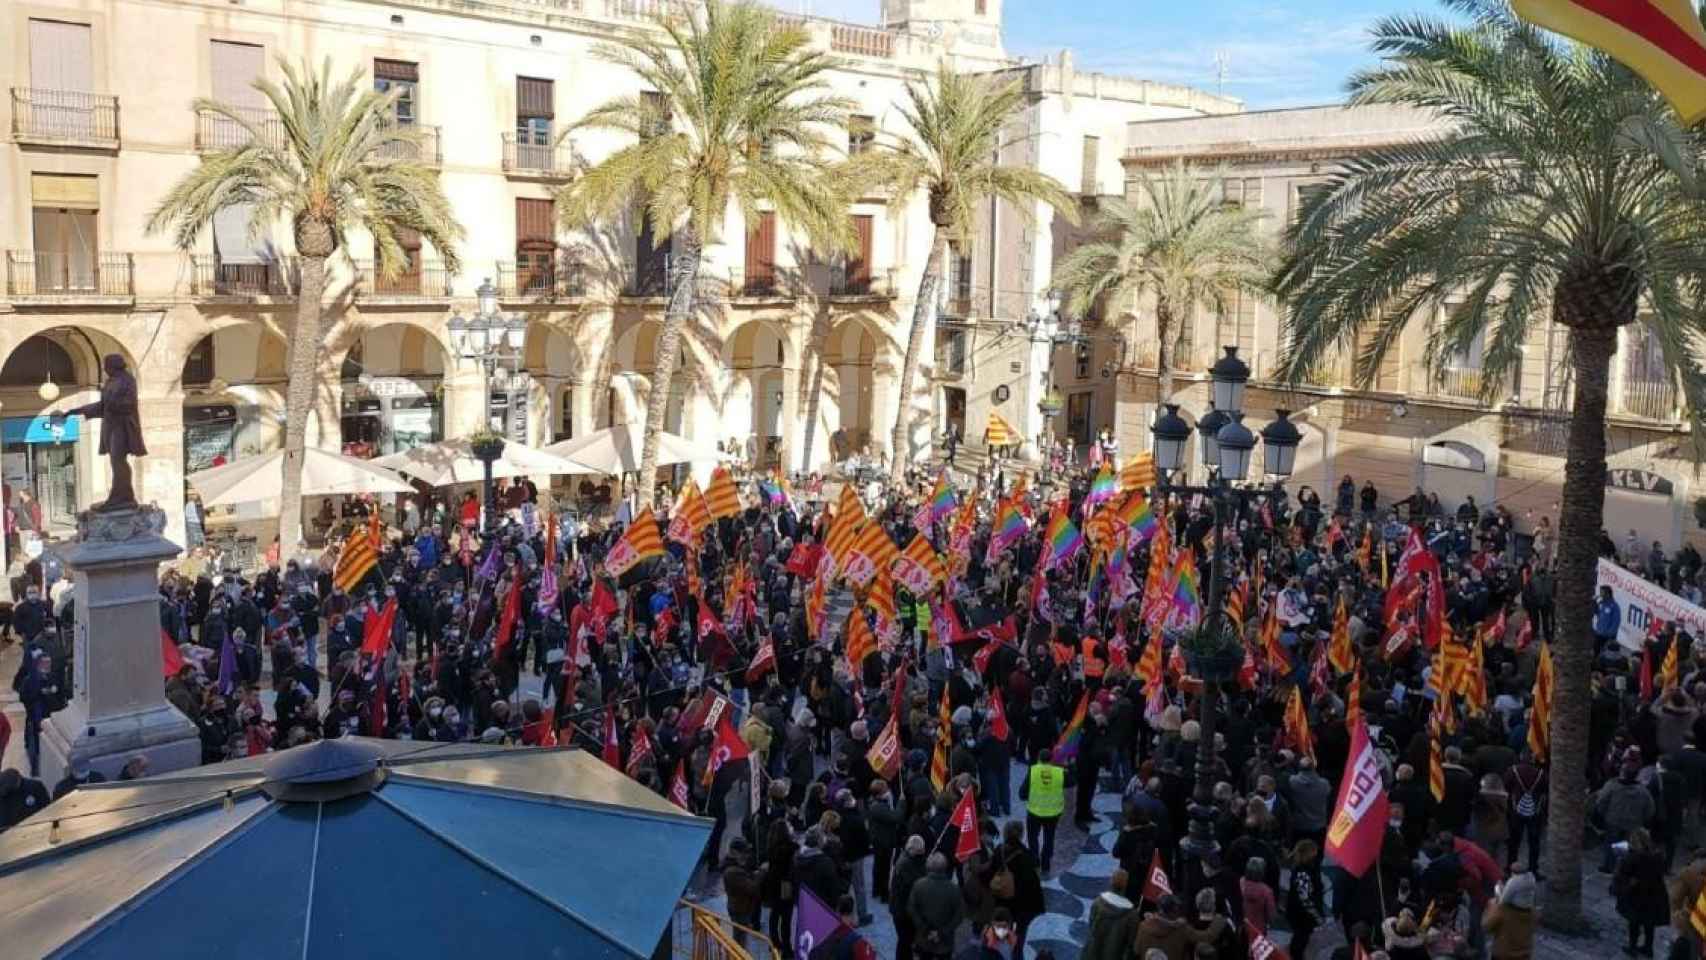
1138,515
1187,598
1009,526
1063,540
1067,748
941,503
1104,486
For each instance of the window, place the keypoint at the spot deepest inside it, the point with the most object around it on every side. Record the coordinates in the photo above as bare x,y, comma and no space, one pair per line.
198,369
1237,324
951,351
535,245
1081,361
63,221
565,416
962,275
403,79
1091,182
761,254
235,67
657,110
62,80
861,133
1241,192
982,7
1306,194
408,278
856,276
534,112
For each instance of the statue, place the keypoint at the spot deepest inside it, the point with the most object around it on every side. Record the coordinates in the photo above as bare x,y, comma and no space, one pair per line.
121,431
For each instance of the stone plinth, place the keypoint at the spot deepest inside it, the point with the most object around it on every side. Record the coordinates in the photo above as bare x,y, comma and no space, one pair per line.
118,705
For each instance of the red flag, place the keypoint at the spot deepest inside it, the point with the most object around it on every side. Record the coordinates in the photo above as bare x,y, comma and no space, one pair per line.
884,755
763,661
172,660
640,749
1646,671
612,741
1156,885
376,630
727,747
507,620
965,818
1261,948
1359,818
678,785
803,561
998,716
1525,636
980,659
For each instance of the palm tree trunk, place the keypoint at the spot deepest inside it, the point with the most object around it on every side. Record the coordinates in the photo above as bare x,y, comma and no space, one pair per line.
901,441
1163,352
304,365
814,392
684,269
1581,515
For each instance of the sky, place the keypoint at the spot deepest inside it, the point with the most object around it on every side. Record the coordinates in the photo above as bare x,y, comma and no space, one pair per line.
1275,54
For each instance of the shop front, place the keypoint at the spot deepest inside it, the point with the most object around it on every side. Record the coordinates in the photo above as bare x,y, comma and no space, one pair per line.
40,453
386,415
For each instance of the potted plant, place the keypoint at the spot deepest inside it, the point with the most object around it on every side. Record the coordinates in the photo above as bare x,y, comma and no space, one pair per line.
1213,656
486,445
1051,404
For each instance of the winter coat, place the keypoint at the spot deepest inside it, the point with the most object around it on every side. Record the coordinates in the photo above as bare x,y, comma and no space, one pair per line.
908,870
1639,886
1113,926
1311,799
937,910
1175,938
741,883
816,871
1623,806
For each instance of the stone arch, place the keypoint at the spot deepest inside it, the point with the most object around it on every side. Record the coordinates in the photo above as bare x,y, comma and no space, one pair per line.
560,381
232,385
1457,464
851,354
757,356
392,386
632,361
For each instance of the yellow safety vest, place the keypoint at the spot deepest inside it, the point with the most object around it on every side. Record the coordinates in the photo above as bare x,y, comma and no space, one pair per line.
1047,791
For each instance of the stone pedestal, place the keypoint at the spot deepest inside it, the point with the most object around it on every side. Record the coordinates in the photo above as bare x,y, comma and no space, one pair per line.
118,705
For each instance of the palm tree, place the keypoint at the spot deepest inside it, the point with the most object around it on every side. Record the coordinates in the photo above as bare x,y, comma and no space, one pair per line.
742,116
1178,243
953,157
329,169
1561,187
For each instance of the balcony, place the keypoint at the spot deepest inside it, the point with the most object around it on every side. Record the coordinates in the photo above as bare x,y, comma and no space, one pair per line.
648,10
863,41
550,284
424,149
428,280
538,161
70,278
216,131
214,277
772,284
861,284
1460,383
64,118
1650,399
660,285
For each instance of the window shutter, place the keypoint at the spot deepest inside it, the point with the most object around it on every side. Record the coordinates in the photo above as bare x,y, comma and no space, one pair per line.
235,67
533,98
65,190
859,271
535,221
399,70
761,248
61,56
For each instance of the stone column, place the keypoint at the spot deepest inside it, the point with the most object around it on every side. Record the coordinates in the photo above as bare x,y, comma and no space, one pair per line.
792,433
118,706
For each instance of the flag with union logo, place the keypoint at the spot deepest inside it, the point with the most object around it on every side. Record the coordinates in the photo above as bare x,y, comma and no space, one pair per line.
1359,818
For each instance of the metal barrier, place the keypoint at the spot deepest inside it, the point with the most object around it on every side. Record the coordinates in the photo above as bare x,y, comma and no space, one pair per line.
700,934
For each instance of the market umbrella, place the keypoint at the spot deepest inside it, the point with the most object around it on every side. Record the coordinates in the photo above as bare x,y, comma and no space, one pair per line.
616,450
354,848
324,473
452,461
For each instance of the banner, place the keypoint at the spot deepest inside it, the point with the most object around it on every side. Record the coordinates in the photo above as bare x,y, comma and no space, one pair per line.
1641,601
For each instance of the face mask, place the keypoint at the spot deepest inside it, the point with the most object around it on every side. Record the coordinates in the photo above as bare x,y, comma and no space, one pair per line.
435,713
1001,932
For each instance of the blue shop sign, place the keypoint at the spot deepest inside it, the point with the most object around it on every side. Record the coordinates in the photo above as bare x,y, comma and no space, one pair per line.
40,429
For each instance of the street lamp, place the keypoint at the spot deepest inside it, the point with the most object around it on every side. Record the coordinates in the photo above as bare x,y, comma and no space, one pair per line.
1227,448
1049,333
489,338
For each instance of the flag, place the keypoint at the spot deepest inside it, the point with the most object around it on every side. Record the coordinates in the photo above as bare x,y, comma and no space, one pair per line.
1187,599
721,497
1436,763
872,550
804,559
999,433
1297,725
1659,39
1104,486
678,785
1353,699
1697,915
998,715
861,643
1138,472
1073,735
884,755
1525,636
1273,650
1155,884
1008,527
919,567
612,739
815,923
940,504
763,661
639,748
548,567
507,619
691,514
360,554
1149,665
1139,516
1236,599
1339,651
944,742
1358,825
849,516
727,747
1062,540
1261,948
376,629
1540,717
639,542
965,820
1668,674
1157,590
171,658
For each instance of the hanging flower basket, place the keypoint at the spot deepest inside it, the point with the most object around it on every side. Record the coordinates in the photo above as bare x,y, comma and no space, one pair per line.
486,446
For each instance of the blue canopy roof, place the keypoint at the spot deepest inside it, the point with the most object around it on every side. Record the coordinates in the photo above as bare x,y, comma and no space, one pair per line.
353,848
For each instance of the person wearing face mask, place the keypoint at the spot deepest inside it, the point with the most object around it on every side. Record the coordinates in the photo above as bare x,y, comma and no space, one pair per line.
29,617
41,696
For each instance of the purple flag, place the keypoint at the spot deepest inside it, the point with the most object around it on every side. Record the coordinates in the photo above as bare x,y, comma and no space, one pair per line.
814,923
489,569
227,667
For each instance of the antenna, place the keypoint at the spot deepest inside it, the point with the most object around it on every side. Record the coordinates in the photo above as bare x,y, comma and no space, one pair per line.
1222,59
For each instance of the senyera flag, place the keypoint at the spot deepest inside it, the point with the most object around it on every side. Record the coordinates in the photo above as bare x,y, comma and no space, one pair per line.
1359,818
1661,40
639,542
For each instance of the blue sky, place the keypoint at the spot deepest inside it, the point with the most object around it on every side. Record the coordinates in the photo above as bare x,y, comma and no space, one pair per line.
1276,54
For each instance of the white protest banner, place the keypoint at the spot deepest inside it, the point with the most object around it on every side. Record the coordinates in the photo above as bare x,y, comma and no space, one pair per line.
1641,601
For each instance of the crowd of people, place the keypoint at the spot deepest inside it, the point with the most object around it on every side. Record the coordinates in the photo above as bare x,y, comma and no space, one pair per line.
924,680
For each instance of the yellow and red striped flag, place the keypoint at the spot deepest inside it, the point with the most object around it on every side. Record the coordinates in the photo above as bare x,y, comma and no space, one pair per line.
1339,651
690,516
919,566
861,642
844,525
1297,725
1138,472
360,554
1669,674
1540,717
1149,665
815,602
1661,40
880,598
722,497
1353,699
1475,678
639,542
944,740
1697,915
1436,763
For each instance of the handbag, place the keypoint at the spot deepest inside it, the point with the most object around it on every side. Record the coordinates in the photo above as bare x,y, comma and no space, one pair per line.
1002,885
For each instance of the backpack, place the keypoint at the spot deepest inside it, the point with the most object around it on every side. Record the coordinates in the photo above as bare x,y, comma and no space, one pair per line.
1527,802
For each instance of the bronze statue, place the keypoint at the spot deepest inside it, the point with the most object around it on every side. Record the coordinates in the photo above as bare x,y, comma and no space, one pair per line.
121,431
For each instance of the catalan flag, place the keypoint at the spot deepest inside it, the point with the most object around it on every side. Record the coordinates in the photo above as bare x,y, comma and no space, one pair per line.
1236,599
639,542
872,550
1540,717
944,742
1062,540
1073,735
999,433
861,642
1436,762
919,567
1353,699
1697,914
844,526
690,516
1661,40
880,598
1669,674
1273,650
1297,725
1339,651
358,557
1138,473
1149,665
816,602
722,497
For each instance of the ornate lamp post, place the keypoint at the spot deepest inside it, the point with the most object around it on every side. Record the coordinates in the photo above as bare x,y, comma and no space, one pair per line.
490,338
1227,446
